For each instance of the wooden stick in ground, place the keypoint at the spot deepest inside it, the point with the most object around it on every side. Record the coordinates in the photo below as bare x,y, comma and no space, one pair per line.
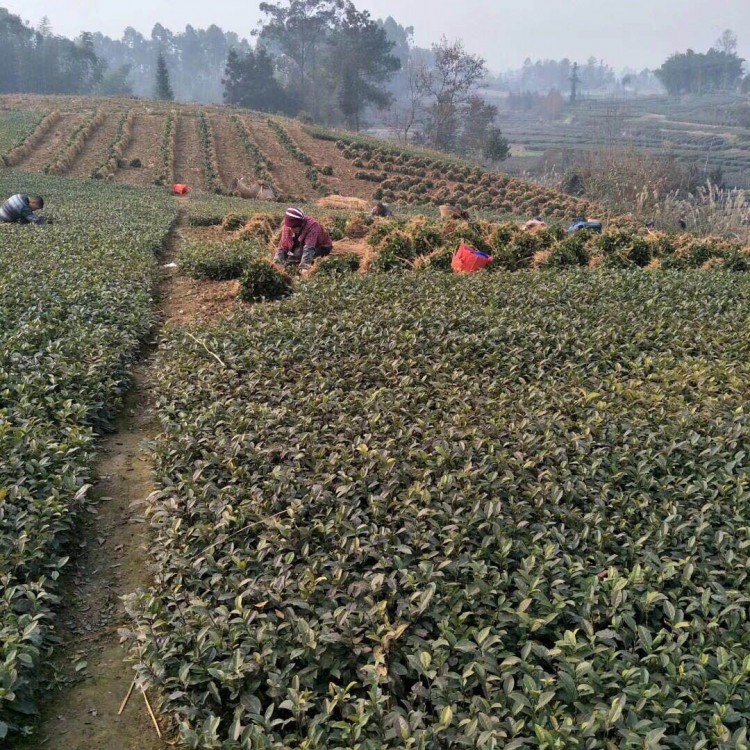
213,354
127,698
151,713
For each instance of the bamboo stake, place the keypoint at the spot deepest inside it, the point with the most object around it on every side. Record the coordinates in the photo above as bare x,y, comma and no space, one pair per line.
151,713
127,698
215,356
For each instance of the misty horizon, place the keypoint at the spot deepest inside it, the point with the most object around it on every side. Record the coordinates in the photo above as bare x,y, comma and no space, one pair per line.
527,32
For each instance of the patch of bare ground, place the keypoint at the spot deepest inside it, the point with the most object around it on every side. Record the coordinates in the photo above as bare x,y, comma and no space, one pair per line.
343,181
288,174
201,301
233,161
188,161
52,144
95,152
145,146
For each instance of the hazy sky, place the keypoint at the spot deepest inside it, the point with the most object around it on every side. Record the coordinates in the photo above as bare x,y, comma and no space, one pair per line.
634,33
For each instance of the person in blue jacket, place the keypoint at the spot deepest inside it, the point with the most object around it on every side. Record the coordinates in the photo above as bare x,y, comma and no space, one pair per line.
581,223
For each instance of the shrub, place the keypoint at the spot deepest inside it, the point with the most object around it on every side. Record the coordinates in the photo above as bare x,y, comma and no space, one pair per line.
217,261
478,512
569,253
263,282
233,222
75,304
336,265
517,253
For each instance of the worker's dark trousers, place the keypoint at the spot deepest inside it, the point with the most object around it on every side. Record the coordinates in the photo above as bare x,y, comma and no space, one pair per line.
309,254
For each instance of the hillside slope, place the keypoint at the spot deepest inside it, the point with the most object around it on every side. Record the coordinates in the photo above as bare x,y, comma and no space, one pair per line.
208,147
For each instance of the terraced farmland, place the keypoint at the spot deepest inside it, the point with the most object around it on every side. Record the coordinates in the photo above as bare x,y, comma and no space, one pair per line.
397,508
303,164
695,130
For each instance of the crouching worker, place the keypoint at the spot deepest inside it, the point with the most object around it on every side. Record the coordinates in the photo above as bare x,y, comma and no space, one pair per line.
582,223
19,209
303,240
535,225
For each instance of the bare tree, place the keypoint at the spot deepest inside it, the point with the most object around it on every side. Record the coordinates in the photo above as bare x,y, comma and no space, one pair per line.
409,112
449,83
727,42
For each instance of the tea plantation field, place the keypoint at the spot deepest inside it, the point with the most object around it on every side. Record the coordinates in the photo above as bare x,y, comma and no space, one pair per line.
422,511
75,302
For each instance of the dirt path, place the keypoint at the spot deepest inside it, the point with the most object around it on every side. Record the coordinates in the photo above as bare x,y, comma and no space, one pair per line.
288,174
89,666
146,146
233,161
48,149
188,153
95,152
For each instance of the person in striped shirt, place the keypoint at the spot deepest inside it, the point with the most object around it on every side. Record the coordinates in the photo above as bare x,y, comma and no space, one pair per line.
19,209
303,240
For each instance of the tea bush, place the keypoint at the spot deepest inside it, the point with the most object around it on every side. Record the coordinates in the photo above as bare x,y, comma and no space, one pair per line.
336,265
219,261
398,242
75,301
167,151
209,158
261,166
500,511
263,282
75,143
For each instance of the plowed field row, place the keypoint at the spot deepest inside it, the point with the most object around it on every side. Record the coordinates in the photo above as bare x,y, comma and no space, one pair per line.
288,174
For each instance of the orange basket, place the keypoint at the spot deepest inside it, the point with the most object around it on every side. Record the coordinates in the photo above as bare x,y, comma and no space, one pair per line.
468,260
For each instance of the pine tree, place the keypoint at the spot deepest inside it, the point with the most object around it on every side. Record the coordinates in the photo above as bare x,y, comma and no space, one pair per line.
163,88
249,82
575,79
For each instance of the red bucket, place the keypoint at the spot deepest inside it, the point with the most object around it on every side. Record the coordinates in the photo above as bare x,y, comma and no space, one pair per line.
469,260
180,189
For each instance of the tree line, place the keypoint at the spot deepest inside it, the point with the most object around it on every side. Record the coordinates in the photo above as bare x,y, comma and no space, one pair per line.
719,69
38,62
328,61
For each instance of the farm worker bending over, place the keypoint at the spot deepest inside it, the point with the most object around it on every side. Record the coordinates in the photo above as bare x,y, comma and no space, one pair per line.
19,209
302,240
582,223
535,225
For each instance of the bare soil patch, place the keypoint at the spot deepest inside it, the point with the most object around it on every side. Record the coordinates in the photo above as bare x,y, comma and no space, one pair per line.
201,301
44,154
233,161
288,173
188,163
95,152
146,146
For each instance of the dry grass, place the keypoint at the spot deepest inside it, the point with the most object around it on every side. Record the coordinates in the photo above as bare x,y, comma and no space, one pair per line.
345,202
265,228
357,227
644,188
709,211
